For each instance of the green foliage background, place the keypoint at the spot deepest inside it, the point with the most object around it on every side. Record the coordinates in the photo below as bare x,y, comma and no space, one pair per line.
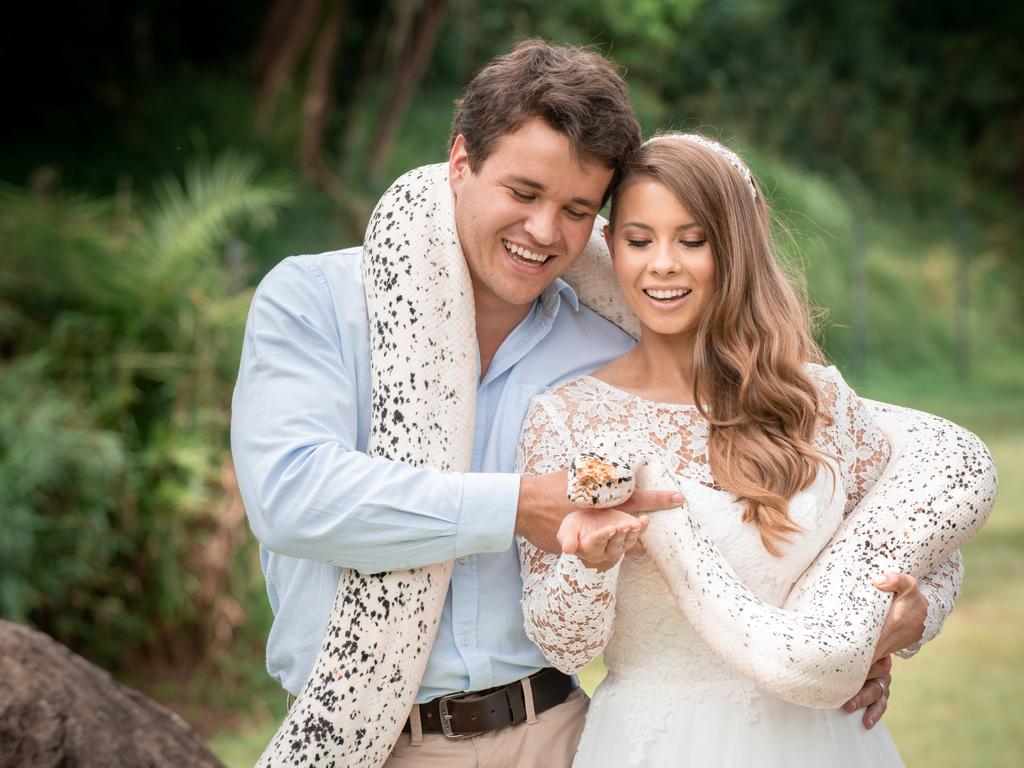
140,206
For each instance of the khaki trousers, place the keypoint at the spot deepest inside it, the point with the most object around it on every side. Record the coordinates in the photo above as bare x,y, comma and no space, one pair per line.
550,742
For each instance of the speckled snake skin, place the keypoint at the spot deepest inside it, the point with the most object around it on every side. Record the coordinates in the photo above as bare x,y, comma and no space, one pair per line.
816,649
424,376
424,373
423,368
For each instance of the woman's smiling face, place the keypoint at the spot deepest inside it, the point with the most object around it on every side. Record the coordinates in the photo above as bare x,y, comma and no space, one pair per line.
662,259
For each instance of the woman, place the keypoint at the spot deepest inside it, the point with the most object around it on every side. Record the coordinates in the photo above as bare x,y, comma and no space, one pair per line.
771,449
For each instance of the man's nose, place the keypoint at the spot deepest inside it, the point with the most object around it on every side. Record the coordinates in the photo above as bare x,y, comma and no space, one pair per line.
542,225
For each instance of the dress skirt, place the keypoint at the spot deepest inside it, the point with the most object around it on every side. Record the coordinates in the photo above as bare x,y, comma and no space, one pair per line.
723,726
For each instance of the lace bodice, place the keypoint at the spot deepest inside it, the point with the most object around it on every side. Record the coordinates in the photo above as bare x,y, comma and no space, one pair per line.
573,613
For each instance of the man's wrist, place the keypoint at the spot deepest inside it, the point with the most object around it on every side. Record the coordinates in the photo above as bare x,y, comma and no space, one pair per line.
539,497
525,502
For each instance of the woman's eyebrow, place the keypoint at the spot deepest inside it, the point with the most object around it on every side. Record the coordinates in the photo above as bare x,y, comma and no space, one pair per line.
641,225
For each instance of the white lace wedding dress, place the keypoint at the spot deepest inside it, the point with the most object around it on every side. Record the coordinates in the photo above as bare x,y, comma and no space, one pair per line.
668,699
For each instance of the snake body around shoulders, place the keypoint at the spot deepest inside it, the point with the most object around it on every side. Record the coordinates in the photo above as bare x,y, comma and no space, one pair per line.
424,368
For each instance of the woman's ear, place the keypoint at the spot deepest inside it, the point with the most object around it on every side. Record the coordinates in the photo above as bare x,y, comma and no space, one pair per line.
608,240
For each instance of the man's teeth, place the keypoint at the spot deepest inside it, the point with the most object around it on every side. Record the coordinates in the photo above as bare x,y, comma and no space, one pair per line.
674,293
518,250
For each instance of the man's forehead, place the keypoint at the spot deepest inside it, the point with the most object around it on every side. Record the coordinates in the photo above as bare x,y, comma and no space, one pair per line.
536,133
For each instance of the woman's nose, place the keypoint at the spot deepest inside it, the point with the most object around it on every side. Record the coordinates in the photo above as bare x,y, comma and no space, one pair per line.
664,262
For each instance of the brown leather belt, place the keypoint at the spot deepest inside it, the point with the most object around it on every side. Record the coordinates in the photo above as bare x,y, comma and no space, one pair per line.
459,715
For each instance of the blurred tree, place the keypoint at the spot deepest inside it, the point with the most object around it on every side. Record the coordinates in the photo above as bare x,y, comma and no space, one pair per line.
287,38
121,330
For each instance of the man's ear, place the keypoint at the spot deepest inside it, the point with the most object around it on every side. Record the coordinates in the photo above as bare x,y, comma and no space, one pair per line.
458,163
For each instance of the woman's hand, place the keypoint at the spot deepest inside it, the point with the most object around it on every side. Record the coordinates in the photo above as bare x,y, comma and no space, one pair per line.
543,506
599,537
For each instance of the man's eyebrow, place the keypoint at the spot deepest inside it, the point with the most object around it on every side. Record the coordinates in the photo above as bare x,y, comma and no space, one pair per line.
541,188
641,225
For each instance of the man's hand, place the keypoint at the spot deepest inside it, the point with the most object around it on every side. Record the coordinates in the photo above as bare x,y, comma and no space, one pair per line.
904,625
543,504
875,693
600,537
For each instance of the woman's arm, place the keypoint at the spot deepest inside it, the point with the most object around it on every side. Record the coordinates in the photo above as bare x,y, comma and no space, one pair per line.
567,607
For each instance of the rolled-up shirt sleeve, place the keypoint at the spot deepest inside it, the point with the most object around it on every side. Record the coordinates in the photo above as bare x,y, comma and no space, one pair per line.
308,491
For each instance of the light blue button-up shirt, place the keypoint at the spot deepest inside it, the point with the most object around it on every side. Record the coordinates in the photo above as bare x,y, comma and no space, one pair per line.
316,501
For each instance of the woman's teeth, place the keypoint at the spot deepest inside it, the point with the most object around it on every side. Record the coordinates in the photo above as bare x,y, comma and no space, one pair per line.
663,294
523,253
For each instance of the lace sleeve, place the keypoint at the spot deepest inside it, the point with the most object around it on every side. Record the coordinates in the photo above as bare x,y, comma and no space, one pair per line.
865,452
854,437
940,588
567,607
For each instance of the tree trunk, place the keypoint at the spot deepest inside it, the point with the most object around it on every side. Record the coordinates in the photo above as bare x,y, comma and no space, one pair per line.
371,63
285,37
410,71
319,93
859,299
57,709
962,299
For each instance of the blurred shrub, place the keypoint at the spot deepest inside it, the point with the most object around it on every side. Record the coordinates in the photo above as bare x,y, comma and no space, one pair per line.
913,283
120,327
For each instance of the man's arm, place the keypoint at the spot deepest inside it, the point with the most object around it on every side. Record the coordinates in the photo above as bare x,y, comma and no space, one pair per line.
918,611
940,589
308,491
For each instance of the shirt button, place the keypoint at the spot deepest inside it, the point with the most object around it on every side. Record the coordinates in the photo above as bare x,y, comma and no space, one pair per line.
464,639
462,560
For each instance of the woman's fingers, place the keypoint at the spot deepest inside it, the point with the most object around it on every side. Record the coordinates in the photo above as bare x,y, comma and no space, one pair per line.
596,544
568,539
606,546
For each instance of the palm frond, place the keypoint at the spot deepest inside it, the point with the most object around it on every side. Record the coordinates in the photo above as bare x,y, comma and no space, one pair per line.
189,221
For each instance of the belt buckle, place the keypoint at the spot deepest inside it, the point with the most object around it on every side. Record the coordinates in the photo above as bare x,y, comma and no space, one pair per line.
446,719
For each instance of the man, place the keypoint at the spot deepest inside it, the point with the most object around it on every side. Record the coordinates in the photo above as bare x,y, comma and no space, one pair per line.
536,142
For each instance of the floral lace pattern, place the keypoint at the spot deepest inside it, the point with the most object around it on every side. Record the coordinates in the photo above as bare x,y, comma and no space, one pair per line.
573,613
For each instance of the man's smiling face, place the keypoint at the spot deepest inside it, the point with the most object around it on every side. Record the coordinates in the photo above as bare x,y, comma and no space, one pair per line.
526,214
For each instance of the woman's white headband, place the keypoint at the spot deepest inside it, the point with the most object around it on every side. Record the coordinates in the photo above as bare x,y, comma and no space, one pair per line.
718,149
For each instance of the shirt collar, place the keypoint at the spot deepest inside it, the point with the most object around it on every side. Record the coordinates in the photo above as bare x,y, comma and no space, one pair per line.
535,326
551,297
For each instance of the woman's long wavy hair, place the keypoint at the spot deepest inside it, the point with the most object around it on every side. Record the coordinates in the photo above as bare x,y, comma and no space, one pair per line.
753,343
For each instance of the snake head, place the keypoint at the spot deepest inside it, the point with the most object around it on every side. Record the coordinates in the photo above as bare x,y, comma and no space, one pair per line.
596,481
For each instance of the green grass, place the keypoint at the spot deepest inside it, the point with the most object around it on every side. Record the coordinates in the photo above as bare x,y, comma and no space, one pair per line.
241,748
958,702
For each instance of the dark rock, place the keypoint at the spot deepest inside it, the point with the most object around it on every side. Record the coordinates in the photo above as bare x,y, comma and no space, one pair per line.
57,709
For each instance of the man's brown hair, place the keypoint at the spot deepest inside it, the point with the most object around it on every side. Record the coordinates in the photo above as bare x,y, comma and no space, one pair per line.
575,90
